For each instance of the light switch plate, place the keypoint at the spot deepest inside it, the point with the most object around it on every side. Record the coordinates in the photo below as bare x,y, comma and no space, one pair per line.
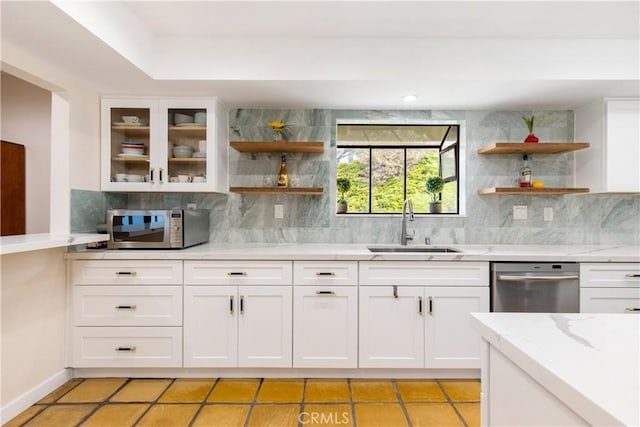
548,213
519,212
278,211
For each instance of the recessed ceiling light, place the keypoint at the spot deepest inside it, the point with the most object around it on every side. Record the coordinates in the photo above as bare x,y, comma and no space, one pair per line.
409,98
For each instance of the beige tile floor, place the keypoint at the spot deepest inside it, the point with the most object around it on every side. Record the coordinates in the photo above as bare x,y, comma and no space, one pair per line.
121,402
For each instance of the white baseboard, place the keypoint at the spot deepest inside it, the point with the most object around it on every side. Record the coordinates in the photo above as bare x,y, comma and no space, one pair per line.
11,409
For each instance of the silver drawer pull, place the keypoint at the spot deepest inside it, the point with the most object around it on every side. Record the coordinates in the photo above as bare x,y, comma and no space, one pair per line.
633,309
126,273
325,273
125,307
325,293
632,275
126,349
236,273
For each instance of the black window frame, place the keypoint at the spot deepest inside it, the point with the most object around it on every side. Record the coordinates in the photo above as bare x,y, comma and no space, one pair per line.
450,145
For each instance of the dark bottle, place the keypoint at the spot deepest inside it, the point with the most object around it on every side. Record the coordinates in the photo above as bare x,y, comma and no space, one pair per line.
525,173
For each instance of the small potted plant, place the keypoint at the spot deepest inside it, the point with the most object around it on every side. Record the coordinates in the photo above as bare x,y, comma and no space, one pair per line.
434,185
343,185
531,137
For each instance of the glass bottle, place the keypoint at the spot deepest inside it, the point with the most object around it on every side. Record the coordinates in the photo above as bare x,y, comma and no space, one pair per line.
525,173
283,178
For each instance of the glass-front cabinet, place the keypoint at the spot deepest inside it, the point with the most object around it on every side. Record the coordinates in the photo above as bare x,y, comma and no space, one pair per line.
164,145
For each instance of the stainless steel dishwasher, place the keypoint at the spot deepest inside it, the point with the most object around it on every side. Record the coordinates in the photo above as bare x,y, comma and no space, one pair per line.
535,287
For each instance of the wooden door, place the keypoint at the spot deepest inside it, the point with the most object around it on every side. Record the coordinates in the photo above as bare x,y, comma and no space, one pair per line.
12,189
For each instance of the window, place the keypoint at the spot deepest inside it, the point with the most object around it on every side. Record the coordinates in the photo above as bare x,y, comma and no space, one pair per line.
388,163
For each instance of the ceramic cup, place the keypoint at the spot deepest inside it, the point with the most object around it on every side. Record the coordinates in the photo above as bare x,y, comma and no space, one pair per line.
132,120
184,178
199,179
121,177
200,118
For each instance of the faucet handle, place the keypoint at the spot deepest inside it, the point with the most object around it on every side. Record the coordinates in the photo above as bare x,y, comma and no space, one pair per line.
427,240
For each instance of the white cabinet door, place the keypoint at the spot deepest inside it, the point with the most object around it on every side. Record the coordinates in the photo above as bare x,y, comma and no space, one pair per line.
612,127
610,300
450,341
265,326
325,327
163,124
391,327
210,326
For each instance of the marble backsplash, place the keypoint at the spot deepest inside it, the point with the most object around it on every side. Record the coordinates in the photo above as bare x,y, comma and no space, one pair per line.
577,219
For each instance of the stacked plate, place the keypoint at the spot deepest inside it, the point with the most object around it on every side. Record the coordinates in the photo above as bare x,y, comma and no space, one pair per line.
132,148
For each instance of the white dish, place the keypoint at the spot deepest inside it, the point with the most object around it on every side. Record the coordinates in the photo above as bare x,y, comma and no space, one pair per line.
187,124
126,124
199,155
131,155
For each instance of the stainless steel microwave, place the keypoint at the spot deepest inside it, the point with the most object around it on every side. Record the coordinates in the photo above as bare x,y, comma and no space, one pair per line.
157,229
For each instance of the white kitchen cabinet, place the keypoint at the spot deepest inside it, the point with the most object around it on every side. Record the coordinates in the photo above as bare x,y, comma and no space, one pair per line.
612,126
126,314
610,288
264,327
235,316
391,327
325,314
406,325
210,326
450,341
158,130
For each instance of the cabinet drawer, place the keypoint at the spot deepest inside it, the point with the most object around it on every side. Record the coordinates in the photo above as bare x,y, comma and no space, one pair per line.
144,347
238,272
607,275
108,272
421,273
608,300
127,305
335,273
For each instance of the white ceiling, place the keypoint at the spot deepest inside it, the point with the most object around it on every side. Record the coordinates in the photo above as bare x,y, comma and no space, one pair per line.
509,55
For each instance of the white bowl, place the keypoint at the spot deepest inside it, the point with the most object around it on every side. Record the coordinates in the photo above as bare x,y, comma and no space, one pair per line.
182,151
182,118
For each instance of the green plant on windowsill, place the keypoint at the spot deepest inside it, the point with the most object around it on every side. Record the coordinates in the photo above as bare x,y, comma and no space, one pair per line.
343,185
434,186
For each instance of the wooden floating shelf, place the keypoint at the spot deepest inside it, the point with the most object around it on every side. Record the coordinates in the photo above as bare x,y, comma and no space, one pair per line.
278,146
532,148
530,191
301,191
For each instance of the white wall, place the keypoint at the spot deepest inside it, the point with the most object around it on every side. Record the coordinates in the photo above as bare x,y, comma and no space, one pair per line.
26,120
33,319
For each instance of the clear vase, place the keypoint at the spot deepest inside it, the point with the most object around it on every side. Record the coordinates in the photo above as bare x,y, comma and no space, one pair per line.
277,135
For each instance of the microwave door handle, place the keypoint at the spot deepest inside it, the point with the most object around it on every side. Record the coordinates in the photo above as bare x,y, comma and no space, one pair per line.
517,278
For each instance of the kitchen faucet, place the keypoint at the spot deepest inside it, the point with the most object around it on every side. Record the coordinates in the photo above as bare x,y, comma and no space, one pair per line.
404,236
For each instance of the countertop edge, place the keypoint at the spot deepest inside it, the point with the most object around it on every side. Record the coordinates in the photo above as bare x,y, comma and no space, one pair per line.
35,242
581,404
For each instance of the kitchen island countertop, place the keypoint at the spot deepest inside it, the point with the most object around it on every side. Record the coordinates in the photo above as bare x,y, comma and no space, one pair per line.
359,252
590,362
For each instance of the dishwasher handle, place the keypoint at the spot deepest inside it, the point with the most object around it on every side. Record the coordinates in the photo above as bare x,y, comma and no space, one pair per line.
539,278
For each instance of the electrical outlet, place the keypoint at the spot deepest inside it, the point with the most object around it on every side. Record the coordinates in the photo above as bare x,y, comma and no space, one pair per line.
278,211
191,206
548,213
519,212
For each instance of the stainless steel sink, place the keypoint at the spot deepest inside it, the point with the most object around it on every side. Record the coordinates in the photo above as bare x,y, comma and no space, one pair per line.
409,248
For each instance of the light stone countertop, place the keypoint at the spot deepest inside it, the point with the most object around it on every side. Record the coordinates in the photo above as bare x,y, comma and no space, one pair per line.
359,252
38,241
588,361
